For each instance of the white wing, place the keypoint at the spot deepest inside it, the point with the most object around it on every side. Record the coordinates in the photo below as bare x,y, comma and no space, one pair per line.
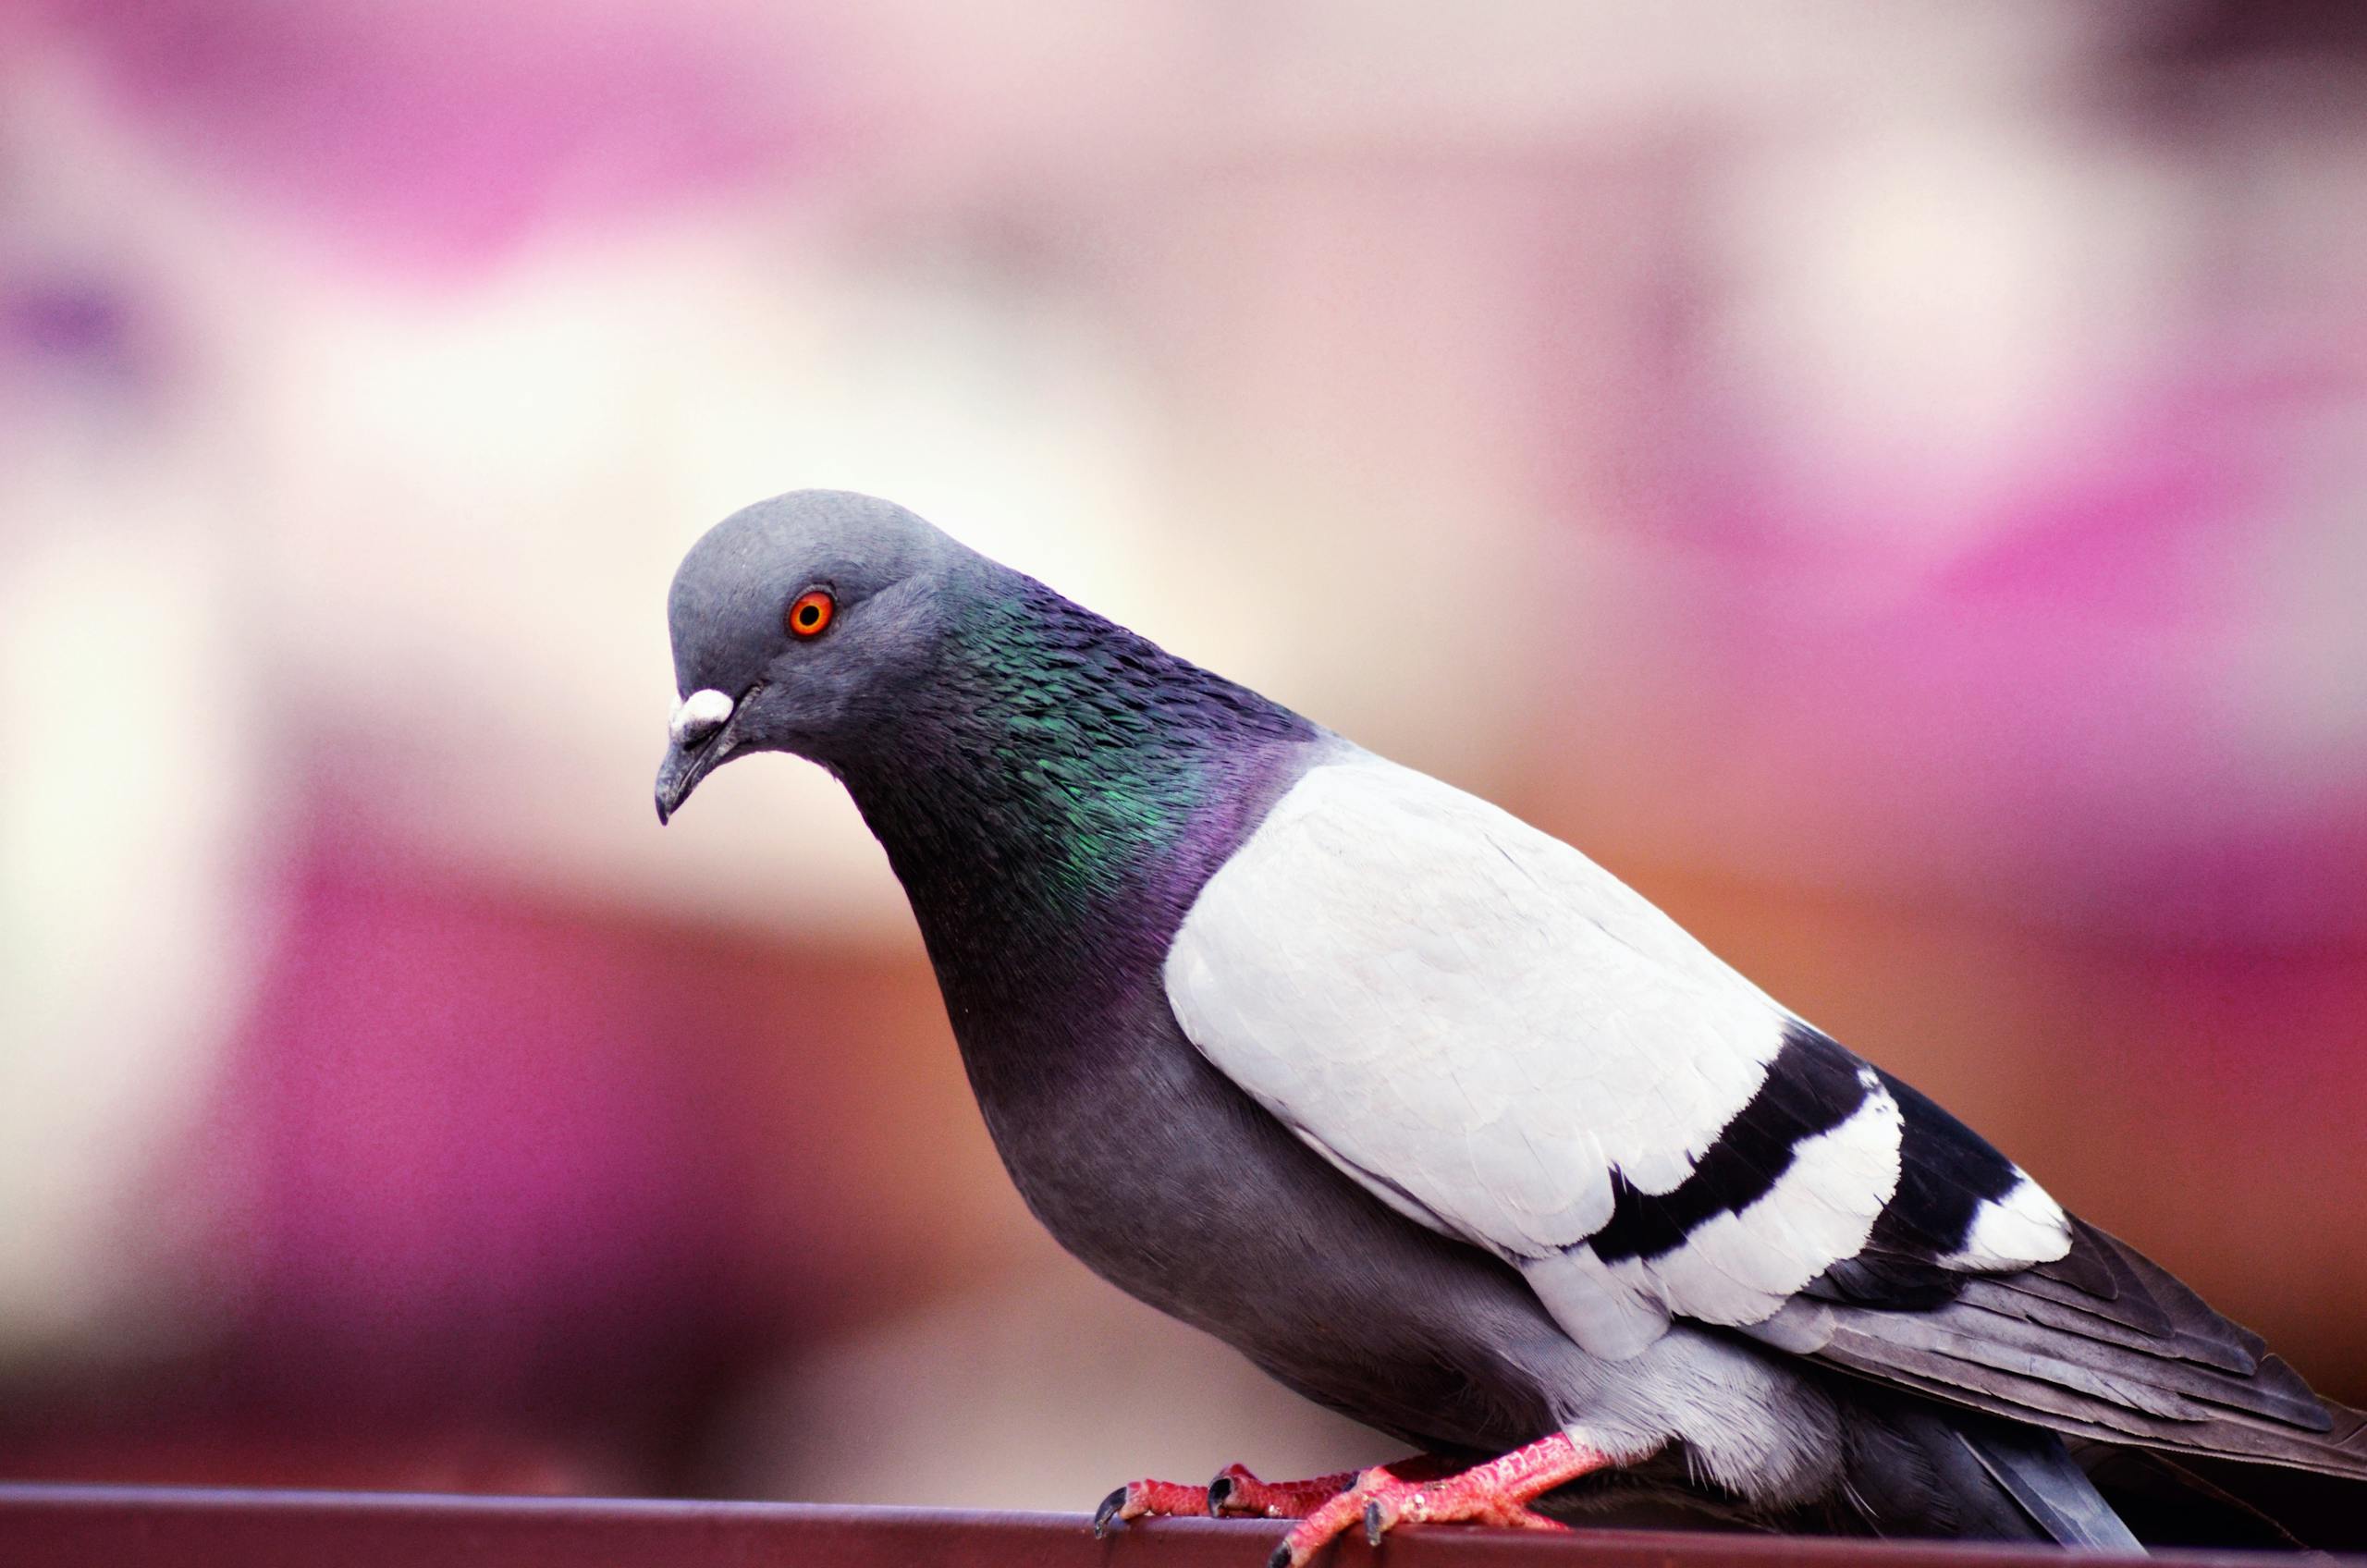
1505,1043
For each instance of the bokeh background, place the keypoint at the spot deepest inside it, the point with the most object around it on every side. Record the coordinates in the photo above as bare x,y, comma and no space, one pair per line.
1888,477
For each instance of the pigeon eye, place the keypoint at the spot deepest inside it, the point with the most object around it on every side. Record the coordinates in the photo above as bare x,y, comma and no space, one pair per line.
810,612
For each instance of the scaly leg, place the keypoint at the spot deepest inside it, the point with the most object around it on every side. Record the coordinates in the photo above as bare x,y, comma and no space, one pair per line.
1237,1494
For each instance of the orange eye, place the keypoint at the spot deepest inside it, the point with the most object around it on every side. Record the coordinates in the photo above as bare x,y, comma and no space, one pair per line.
810,612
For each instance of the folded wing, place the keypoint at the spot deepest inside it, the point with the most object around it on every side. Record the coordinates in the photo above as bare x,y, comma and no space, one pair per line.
1507,1044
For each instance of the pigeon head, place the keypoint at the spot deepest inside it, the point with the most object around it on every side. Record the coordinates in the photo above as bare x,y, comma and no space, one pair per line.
1012,751
800,624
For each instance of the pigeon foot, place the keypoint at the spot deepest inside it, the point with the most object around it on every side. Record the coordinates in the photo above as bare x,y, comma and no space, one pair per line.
1498,1492
1236,1493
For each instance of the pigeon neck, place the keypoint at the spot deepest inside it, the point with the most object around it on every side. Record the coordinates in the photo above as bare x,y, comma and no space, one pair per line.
1057,795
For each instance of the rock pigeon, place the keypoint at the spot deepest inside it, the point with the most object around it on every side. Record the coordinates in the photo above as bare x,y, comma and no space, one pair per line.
1444,1127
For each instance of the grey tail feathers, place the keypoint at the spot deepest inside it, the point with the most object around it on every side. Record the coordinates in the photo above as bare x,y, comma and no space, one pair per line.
2034,1469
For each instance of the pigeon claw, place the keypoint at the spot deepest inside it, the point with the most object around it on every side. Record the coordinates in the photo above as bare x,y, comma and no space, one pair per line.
1498,1492
1234,1493
1332,1518
1138,1499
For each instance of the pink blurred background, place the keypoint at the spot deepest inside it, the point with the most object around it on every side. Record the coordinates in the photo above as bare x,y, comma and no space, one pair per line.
1888,477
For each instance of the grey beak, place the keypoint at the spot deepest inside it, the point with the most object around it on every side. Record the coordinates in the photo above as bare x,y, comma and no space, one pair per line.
694,744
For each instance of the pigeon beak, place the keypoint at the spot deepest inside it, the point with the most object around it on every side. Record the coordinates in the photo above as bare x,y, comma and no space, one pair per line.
696,744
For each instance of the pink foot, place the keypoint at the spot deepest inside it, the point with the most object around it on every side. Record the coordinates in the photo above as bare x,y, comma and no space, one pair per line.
1237,1494
1498,1492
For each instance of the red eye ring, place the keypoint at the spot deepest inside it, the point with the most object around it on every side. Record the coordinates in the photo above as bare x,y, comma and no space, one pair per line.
809,614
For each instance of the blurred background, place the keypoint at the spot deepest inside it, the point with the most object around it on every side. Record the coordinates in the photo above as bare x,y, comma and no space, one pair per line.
1888,477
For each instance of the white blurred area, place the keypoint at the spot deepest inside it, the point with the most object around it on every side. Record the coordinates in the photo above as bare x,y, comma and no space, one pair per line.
1824,456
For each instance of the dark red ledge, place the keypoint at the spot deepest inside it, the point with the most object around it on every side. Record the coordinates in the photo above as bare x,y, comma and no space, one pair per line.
67,1526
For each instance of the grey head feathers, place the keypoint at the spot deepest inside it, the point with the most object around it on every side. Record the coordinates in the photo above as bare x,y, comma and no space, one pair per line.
750,683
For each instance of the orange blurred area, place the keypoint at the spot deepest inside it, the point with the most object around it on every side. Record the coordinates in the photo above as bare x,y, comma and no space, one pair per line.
1889,480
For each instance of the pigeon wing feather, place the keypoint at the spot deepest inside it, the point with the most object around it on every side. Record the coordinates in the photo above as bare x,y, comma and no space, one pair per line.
1505,1043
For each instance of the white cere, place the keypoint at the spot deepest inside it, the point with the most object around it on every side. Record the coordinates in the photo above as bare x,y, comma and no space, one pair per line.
697,716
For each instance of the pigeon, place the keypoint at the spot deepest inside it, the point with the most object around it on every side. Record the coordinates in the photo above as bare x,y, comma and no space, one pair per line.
1444,1127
